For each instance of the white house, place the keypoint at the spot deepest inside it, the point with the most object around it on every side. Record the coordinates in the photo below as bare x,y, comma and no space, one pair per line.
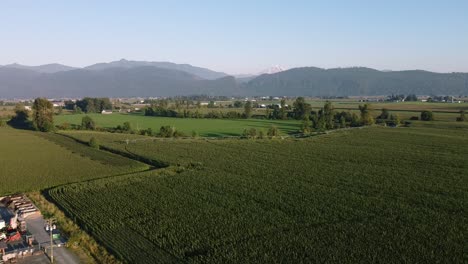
106,112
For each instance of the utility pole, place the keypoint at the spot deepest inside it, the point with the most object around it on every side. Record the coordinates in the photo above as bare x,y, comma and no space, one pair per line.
51,226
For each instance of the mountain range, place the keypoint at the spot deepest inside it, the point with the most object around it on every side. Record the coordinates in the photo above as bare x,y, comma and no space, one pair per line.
47,68
126,78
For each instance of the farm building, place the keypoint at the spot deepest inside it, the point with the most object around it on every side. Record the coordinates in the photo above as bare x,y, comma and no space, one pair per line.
106,112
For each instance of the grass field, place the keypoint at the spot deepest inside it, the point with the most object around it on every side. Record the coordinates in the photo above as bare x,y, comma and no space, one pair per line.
364,195
446,112
204,127
33,161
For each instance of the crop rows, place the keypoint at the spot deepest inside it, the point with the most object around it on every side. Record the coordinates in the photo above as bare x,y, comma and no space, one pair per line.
30,162
370,195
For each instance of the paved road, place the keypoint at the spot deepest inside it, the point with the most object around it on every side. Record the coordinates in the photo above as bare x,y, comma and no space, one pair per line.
41,259
36,224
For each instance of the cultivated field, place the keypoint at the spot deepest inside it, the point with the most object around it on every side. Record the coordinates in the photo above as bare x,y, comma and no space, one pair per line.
204,127
33,161
363,195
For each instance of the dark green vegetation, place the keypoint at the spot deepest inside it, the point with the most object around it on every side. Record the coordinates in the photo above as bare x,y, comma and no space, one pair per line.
89,105
20,118
427,116
362,195
33,161
43,115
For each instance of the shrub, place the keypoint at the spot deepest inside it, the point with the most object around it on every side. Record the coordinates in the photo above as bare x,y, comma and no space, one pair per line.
250,133
94,143
64,126
88,123
273,132
261,134
462,117
168,132
427,116
146,132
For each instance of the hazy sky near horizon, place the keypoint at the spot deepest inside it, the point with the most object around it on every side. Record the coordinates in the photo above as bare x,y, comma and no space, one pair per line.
239,36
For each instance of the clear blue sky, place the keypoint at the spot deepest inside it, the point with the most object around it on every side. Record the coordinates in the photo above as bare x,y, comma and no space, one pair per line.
239,36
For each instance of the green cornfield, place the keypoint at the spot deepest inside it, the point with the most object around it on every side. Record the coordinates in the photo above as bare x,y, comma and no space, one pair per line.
371,195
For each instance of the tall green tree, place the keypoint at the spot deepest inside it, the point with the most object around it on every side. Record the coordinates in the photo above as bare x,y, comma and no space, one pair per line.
366,117
306,125
355,122
385,114
238,104
301,108
248,109
342,122
396,119
94,105
328,115
43,115
283,114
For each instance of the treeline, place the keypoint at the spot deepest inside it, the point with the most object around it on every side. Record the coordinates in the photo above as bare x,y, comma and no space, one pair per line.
327,118
89,105
41,118
87,123
402,97
161,108
189,98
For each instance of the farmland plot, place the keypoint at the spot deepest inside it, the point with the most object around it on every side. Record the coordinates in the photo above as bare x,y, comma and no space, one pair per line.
204,127
33,161
366,195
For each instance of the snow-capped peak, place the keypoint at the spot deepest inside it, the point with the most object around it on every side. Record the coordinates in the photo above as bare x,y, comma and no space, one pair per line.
272,69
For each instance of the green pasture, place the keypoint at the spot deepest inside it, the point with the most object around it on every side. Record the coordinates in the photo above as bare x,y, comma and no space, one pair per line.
204,127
